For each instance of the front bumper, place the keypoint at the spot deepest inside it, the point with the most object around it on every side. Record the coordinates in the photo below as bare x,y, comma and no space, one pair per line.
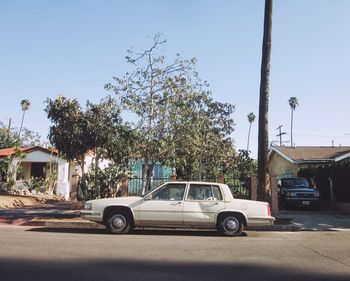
91,215
301,202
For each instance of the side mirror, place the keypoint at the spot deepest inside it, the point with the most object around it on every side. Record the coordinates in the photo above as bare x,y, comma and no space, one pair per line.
148,197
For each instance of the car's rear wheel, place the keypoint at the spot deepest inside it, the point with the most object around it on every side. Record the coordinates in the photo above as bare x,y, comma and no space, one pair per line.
231,225
118,223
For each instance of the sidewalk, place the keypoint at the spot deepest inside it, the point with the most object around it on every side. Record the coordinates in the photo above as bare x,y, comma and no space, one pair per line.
53,211
67,215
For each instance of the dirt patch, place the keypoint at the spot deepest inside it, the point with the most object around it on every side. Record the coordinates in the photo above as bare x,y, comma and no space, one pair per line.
17,201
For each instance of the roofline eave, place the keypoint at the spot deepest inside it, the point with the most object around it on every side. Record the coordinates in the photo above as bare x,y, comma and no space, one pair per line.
285,156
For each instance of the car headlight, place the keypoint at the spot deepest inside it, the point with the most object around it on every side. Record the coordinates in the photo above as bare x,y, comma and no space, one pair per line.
88,206
291,194
317,194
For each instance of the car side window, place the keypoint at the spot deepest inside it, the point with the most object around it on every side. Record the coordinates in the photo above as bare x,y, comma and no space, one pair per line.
217,192
172,192
199,192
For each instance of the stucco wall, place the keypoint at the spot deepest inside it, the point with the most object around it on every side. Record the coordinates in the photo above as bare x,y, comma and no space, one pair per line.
26,167
63,186
279,166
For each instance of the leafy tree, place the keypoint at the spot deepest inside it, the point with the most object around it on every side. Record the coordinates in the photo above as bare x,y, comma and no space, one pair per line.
9,137
181,124
98,128
9,169
30,138
293,103
25,104
241,169
251,119
263,138
198,144
246,166
69,129
108,135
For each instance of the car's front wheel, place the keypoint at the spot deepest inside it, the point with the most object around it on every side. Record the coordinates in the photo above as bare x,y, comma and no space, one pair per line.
118,223
231,225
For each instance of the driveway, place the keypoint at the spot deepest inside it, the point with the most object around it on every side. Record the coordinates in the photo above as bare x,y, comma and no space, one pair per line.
316,220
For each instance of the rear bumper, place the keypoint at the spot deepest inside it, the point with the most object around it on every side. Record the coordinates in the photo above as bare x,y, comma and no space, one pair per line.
261,221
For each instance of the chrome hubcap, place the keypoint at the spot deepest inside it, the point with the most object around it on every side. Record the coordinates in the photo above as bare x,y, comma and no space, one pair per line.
231,224
118,222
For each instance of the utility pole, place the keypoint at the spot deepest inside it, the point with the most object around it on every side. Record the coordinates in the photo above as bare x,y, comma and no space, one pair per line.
279,128
9,129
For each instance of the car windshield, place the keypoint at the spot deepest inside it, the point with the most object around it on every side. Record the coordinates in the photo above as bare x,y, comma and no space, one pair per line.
290,183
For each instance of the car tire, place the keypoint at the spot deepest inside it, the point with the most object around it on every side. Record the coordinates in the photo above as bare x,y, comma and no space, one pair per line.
231,225
118,223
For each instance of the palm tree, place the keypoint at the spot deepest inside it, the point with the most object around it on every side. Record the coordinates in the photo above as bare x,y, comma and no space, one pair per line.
263,149
251,119
293,103
25,104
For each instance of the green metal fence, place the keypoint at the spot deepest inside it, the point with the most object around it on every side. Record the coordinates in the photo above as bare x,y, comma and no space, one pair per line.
135,185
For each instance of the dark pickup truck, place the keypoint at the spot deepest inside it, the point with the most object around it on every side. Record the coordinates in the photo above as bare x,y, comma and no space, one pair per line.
296,192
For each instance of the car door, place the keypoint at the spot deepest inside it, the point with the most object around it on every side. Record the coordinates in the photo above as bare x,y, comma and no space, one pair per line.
164,206
202,203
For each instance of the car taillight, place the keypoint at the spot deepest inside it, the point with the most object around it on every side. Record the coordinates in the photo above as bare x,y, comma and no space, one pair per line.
268,210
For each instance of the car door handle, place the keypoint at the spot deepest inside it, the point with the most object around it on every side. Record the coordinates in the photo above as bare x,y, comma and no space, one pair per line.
212,204
175,203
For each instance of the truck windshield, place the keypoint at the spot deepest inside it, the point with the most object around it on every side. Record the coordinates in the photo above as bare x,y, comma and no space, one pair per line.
297,182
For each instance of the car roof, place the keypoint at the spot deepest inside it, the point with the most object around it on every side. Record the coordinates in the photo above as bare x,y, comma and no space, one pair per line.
196,182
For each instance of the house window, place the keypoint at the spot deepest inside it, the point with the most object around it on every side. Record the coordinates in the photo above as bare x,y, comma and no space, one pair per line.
38,170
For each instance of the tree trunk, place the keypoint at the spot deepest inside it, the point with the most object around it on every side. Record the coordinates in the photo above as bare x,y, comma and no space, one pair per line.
291,129
250,126
263,139
147,174
83,181
144,176
21,127
96,184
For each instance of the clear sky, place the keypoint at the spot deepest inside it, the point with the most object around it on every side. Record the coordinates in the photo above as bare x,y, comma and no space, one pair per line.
73,48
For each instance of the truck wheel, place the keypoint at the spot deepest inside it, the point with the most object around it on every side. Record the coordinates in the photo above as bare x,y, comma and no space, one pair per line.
118,223
231,225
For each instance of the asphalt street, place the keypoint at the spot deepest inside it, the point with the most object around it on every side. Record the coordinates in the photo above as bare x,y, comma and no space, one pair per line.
32,253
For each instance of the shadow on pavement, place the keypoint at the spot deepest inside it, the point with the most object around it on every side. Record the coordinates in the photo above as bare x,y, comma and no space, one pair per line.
123,269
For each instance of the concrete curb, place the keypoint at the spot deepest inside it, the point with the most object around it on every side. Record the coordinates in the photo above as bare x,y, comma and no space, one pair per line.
64,224
276,227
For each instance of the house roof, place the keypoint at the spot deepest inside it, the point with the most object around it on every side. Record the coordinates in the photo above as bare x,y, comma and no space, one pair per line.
311,154
4,152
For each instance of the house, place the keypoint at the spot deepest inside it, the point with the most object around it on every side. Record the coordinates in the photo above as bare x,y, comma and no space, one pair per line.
288,161
326,168
38,162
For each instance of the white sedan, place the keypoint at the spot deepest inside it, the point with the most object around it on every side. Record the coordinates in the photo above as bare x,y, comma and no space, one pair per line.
180,205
